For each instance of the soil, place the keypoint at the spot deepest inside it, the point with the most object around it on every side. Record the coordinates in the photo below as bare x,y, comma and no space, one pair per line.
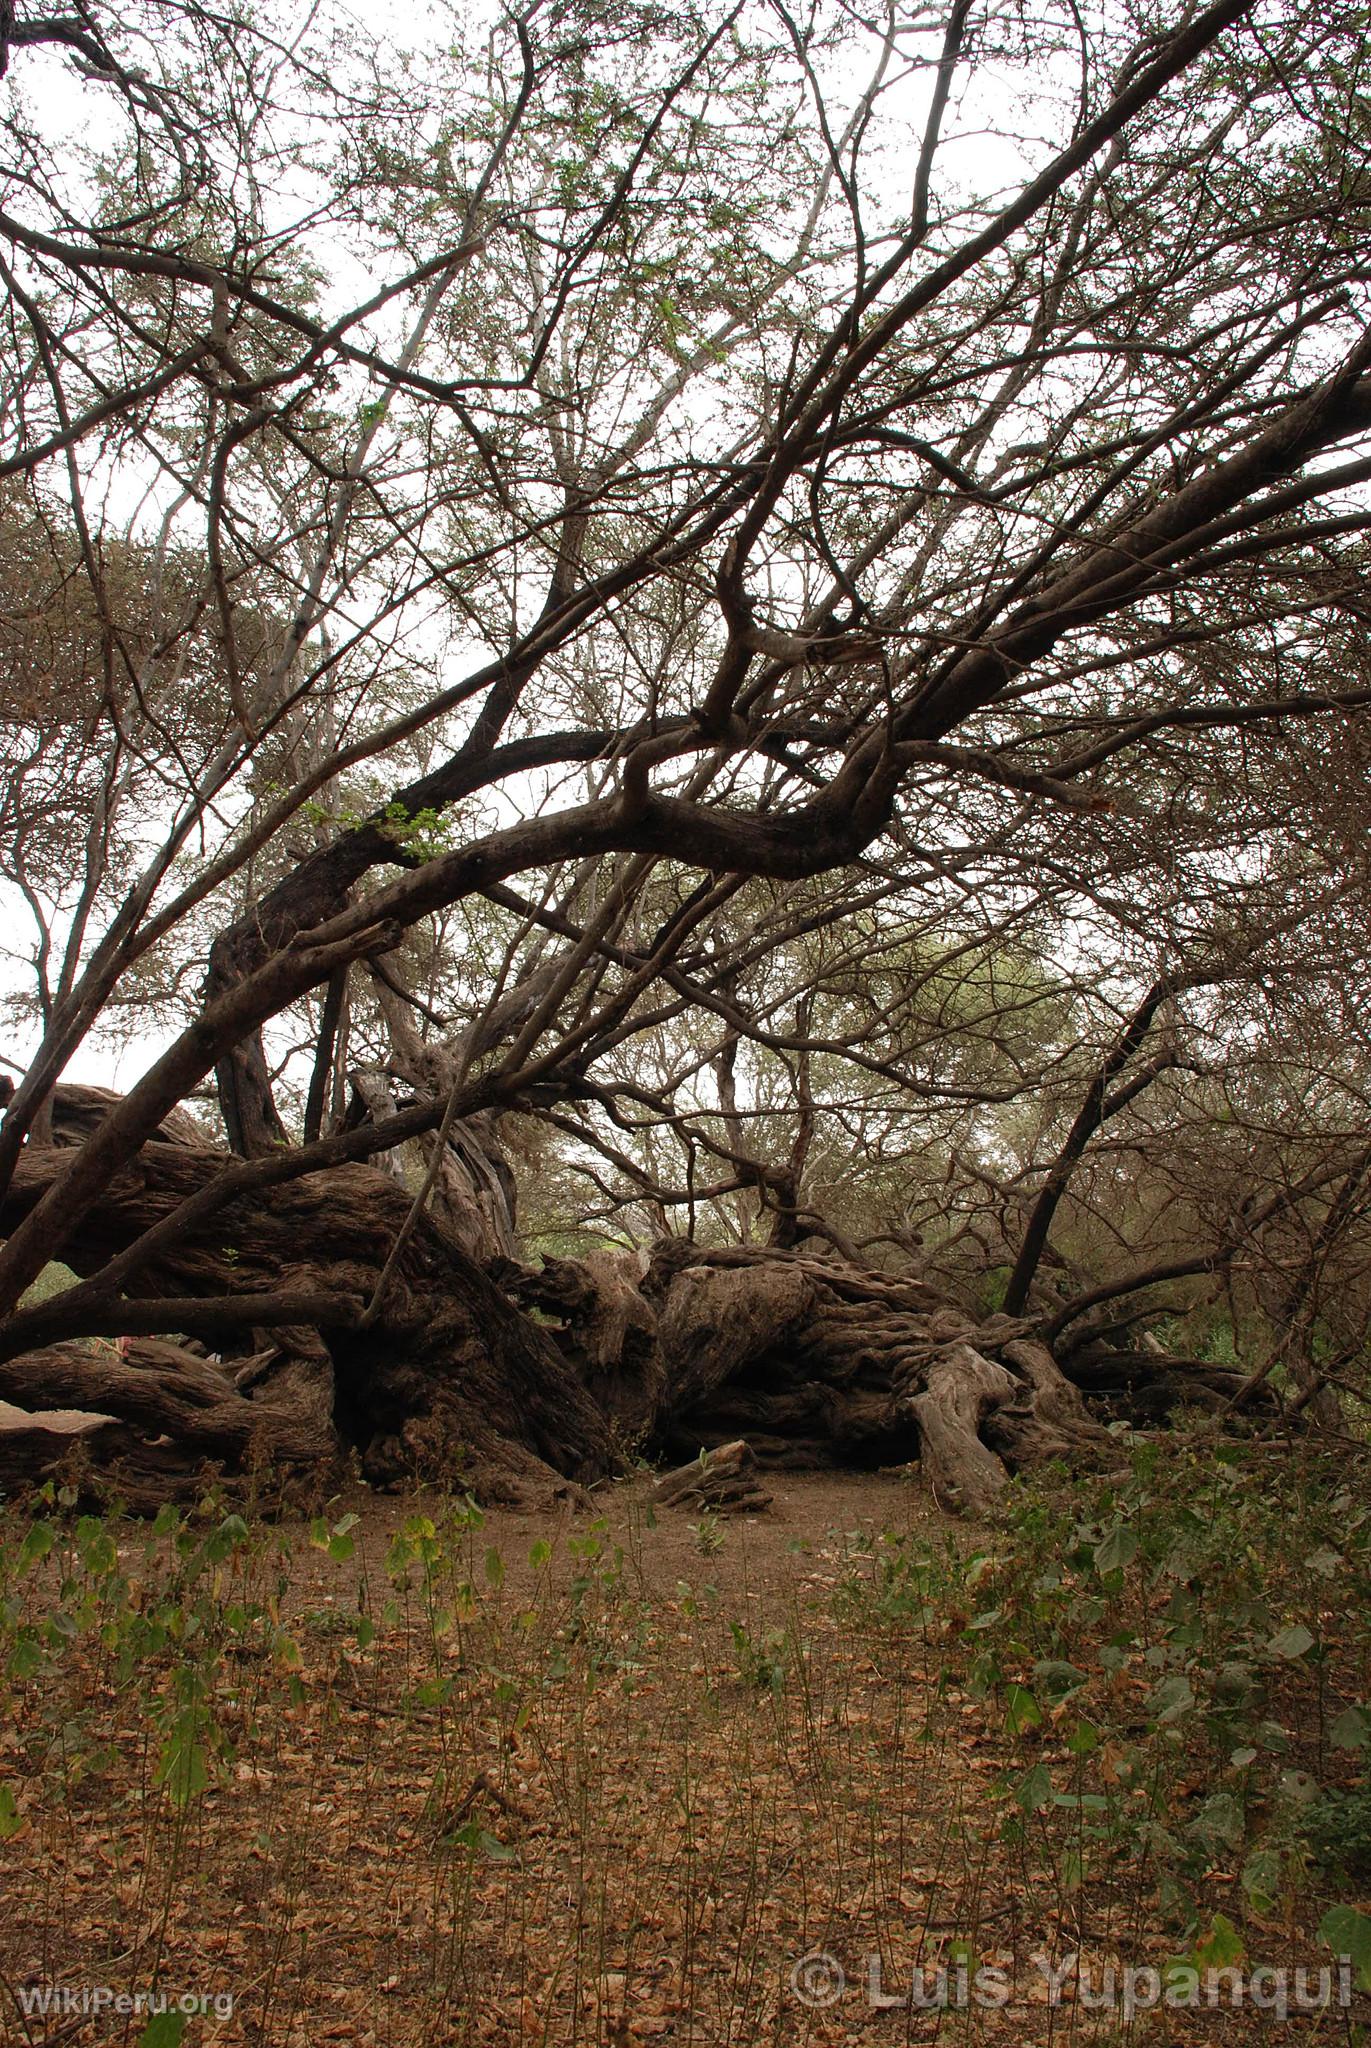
586,1779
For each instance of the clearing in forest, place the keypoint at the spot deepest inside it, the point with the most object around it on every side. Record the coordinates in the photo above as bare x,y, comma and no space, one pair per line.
839,1772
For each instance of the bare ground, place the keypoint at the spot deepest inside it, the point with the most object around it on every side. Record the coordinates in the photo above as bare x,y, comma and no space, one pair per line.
597,1777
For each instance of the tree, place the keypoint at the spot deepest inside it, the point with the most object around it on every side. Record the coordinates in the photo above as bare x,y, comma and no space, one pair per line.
685,504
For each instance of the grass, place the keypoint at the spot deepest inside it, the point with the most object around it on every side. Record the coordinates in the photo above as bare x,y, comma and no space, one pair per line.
412,1785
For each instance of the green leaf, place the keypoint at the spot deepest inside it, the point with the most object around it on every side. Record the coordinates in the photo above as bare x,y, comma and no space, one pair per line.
1291,1643
183,1766
539,1553
1173,1699
163,2030
1117,1550
1352,1729
27,1660
481,1842
1183,1560
1348,1933
1021,1710
36,1544
495,1567
1057,1679
1084,1739
100,1555
1298,1788
1220,1822
10,1818
1221,1947
1034,1789
232,1531
1261,1879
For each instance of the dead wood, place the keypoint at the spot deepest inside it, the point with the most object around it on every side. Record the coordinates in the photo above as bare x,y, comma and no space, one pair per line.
450,1382
726,1480
509,1378
818,1362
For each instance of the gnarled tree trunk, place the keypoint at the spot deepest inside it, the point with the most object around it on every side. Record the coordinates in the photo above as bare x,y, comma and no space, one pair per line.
814,1362
446,1380
349,1321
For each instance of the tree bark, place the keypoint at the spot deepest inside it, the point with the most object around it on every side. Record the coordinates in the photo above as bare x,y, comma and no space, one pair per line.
444,1373
726,1480
450,1382
818,1363
961,1392
168,1391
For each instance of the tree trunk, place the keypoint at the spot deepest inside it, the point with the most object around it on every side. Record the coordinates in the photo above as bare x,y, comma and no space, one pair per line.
471,1190
444,1374
815,1363
448,1382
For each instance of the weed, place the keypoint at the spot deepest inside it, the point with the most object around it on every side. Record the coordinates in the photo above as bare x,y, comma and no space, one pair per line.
508,1780
708,1534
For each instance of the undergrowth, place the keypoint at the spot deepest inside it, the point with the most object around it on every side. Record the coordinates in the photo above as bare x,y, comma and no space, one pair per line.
320,1785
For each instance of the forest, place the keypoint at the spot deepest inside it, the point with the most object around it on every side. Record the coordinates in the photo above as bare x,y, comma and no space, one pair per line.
685,701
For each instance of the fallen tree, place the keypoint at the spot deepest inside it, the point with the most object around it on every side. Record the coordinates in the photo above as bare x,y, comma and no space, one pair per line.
435,1374
814,1362
352,1324
762,737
